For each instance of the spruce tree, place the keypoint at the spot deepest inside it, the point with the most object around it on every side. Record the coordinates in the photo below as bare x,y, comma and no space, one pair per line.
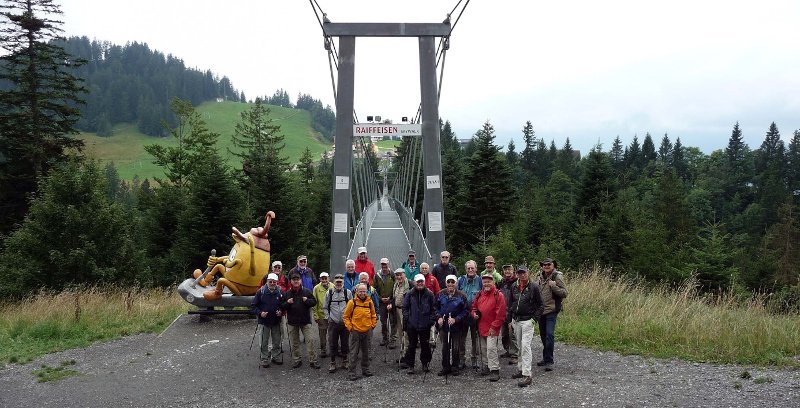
738,173
793,165
528,152
487,204
617,154
597,185
634,158
665,151
679,160
38,110
648,149
769,164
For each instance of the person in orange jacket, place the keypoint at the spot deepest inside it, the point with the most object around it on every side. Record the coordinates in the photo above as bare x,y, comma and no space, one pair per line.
359,319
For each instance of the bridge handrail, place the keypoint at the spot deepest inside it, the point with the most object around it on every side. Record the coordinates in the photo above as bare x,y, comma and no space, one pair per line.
413,231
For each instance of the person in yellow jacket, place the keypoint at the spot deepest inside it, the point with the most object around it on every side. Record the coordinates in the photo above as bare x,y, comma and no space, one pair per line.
319,292
359,319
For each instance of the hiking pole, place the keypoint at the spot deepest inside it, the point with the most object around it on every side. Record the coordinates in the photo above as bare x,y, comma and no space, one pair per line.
254,336
286,334
449,346
386,343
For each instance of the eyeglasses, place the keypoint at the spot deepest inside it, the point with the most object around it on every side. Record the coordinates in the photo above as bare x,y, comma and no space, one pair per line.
277,267
411,256
303,261
547,264
445,257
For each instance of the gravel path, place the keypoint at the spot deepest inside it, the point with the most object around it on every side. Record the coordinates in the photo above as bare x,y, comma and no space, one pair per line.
199,362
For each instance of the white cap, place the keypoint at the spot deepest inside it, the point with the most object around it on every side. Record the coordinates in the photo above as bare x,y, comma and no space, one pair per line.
324,275
362,250
385,261
451,277
272,276
418,277
399,270
277,263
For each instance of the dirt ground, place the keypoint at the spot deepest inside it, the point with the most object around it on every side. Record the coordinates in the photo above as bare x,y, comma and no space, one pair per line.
207,362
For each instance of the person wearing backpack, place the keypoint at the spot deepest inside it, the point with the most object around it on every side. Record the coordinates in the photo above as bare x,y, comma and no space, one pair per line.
525,310
395,307
319,292
338,337
360,318
551,284
267,306
297,303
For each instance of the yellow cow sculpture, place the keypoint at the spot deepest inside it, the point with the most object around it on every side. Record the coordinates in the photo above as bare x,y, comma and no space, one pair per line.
244,267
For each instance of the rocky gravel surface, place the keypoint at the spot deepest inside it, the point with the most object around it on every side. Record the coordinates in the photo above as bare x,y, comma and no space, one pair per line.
206,362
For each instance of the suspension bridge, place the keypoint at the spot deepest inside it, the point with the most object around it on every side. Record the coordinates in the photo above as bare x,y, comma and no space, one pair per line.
387,216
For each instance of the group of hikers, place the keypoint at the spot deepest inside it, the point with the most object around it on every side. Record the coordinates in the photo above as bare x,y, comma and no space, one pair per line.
414,304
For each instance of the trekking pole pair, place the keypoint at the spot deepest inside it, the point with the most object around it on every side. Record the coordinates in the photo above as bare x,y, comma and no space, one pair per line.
385,342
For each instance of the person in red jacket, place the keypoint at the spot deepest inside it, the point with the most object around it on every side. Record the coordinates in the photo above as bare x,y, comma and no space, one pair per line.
363,264
489,309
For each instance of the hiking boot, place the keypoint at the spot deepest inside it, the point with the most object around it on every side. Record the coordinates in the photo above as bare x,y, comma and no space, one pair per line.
403,365
505,355
444,371
343,363
475,365
455,372
314,365
541,363
485,370
525,381
366,373
323,354
277,362
548,367
332,368
264,363
513,361
495,376
433,345
410,371
516,375
297,364
353,377
425,367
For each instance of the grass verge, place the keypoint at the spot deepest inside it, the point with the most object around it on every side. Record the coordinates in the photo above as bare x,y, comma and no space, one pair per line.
47,373
49,322
620,315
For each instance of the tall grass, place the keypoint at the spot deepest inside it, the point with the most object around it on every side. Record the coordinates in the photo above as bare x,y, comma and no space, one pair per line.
621,315
49,322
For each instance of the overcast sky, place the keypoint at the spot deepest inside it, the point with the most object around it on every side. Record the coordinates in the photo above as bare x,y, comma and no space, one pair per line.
584,69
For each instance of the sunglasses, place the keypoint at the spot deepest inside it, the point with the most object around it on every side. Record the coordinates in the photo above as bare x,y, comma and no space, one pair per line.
303,261
445,257
547,264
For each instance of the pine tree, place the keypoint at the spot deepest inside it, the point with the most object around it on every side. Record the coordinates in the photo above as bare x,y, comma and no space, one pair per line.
528,152
567,161
72,234
265,181
597,185
679,160
307,166
648,149
738,173
769,164
38,110
634,159
665,151
487,204
195,143
617,154
793,164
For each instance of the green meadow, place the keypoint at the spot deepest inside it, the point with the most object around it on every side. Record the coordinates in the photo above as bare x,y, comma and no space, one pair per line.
125,148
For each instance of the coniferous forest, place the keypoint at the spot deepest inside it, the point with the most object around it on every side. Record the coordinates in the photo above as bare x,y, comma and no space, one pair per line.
645,207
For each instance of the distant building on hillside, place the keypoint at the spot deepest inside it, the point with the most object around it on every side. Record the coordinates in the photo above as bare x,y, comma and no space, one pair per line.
220,99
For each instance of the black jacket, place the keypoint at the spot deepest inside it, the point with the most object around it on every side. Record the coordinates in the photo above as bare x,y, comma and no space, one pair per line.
441,272
298,313
525,303
419,312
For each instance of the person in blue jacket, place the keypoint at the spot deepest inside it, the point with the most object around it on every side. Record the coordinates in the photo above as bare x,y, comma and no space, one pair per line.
267,306
350,276
471,285
451,312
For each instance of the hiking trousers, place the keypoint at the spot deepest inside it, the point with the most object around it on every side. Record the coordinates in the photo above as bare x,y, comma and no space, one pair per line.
294,340
273,351
524,331
338,339
491,357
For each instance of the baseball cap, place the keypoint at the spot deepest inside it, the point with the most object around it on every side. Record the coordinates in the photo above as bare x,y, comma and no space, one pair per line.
385,261
295,276
324,275
272,276
522,268
399,270
362,250
302,257
489,259
487,276
419,278
451,277
277,263
412,252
